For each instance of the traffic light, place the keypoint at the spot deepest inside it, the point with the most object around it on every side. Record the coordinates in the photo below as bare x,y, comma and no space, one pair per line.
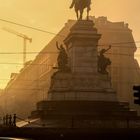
136,94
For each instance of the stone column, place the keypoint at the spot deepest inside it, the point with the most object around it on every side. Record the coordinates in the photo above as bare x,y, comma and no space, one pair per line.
82,44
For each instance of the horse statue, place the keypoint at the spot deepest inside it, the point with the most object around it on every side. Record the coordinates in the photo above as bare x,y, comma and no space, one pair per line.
79,6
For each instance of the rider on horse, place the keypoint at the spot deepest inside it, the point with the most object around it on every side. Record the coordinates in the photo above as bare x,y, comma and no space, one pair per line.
80,5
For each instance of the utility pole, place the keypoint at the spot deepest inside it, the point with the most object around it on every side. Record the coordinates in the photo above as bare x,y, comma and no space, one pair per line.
25,39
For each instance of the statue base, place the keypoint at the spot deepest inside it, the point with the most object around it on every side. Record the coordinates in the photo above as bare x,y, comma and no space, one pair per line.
74,86
83,98
85,114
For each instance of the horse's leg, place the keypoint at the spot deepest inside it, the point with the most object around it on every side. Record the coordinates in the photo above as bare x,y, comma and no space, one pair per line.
81,14
87,14
77,14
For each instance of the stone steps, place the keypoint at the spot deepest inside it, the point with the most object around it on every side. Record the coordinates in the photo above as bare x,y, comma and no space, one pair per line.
86,109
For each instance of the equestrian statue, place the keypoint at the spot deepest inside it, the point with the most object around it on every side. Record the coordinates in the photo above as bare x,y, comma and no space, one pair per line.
79,6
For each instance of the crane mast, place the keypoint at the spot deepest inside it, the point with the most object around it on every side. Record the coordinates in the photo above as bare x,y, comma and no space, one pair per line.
25,39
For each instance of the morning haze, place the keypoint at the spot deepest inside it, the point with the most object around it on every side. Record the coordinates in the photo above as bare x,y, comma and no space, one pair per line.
51,15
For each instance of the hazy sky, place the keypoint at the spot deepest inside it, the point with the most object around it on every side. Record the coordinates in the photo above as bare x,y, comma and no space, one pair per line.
51,15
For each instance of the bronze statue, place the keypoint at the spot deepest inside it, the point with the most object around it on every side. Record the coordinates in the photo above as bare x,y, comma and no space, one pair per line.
62,57
79,6
103,62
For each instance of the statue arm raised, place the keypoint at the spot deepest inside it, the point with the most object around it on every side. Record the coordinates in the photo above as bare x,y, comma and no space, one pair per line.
108,48
57,45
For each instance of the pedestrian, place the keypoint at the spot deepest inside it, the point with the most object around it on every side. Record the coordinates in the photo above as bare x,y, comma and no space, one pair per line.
6,119
14,119
10,120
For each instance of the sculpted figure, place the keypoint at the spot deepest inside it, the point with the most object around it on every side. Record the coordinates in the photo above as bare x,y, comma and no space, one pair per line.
62,59
103,62
79,6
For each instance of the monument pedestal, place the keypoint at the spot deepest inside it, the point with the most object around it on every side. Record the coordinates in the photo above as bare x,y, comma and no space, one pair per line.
71,86
83,82
82,97
82,47
85,114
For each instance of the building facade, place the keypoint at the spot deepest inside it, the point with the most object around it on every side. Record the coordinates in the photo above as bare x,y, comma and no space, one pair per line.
31,84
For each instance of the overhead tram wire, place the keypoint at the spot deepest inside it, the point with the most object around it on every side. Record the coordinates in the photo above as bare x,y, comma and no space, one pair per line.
15,53
7,63
115,43
78,66
48,32
33,28
51,52
27,52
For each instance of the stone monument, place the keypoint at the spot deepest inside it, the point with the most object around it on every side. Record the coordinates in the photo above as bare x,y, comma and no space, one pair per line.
83,81
79,6
81,96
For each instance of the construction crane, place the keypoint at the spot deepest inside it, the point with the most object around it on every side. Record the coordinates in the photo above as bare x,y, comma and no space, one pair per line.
25,38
